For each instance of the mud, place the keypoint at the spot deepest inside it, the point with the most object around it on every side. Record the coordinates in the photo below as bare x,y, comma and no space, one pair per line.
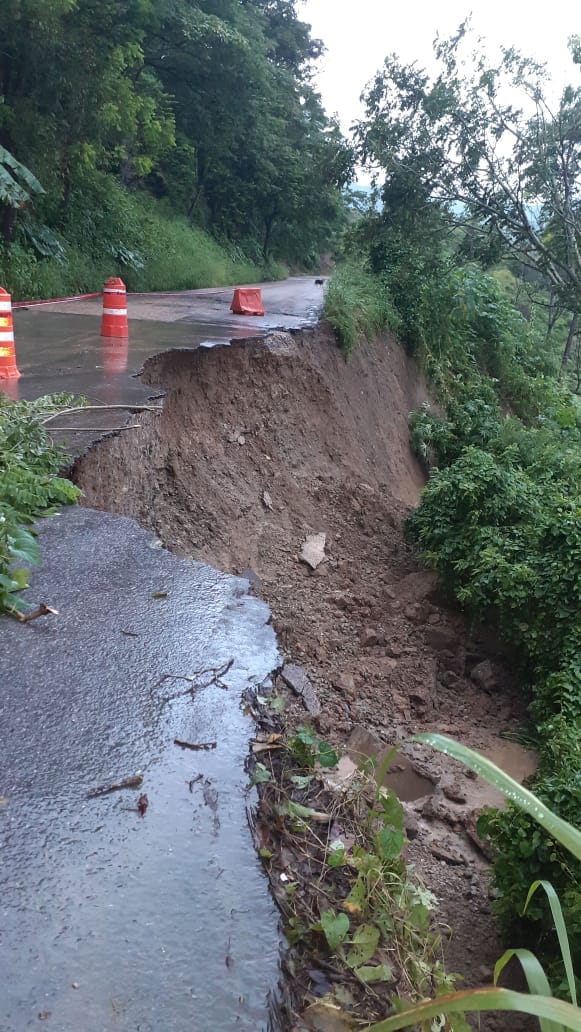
266,442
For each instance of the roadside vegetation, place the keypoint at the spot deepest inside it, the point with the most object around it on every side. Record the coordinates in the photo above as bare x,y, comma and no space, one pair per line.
357,306
554,1014
30,486
176,145
476,247
356,917
109,231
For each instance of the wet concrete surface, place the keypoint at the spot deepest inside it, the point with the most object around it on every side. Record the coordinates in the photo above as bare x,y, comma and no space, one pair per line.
110,920
59,347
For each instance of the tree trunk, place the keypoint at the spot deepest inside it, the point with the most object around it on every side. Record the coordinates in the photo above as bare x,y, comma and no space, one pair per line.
569,344
7,222
268,226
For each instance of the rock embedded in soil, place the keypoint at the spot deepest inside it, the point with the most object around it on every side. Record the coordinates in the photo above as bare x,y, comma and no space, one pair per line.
410,822
448,854
370,637
486,675
345,683
297,680
313,550
454,792
442,639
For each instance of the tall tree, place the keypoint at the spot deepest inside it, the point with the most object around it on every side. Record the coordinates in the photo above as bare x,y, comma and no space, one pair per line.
486,141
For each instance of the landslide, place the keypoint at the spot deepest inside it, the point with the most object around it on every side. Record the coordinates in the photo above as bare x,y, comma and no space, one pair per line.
266,441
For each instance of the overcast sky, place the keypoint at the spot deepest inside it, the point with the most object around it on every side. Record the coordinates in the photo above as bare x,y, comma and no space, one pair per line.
359,33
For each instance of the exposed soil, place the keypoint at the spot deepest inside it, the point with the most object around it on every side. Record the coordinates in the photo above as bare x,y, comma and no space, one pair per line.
265,442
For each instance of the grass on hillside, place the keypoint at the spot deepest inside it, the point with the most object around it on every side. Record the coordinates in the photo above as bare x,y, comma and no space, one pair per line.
358,306
108,231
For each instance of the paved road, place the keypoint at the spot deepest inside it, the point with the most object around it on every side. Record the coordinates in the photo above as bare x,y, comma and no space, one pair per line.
108,920
59,347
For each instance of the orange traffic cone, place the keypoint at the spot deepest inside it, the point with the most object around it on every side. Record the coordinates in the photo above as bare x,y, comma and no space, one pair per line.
8,370
114,321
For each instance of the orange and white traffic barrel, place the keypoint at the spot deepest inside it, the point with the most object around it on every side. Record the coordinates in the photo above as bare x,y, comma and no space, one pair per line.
8,370
114,320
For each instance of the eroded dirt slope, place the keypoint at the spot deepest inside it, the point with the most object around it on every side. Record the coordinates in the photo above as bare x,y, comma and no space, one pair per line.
265,442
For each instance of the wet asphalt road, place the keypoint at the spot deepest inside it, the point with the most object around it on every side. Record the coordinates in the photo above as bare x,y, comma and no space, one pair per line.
59,347
110,920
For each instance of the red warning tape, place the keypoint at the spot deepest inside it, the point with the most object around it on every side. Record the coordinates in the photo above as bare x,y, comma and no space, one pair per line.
54,300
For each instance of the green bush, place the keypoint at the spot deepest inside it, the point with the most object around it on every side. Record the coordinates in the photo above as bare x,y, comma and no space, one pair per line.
500,523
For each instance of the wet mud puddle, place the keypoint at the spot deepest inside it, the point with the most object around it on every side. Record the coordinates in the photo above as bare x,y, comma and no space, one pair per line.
141,909
410,784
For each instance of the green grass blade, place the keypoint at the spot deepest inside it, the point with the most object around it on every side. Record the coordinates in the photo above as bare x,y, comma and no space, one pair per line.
488,999
537,980
561,930
561,830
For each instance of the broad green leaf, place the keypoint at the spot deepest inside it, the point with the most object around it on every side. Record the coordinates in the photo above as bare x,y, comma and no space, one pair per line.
537,980
326,756
335,928
301,780
484,1000
21,577
336,856
357,897
8,583
11,171
561,930
364,945
561,830
306,735
379,973
390,843
277,704
297,810
392,810
261,775
23,545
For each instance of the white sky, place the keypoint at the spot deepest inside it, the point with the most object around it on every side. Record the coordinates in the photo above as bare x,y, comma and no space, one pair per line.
359,34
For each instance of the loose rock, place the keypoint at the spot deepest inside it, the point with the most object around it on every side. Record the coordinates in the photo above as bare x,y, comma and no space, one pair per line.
313,550
486,676
454,792
295,677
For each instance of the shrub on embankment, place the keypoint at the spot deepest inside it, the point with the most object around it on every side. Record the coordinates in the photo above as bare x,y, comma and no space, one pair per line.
500,523
109,231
